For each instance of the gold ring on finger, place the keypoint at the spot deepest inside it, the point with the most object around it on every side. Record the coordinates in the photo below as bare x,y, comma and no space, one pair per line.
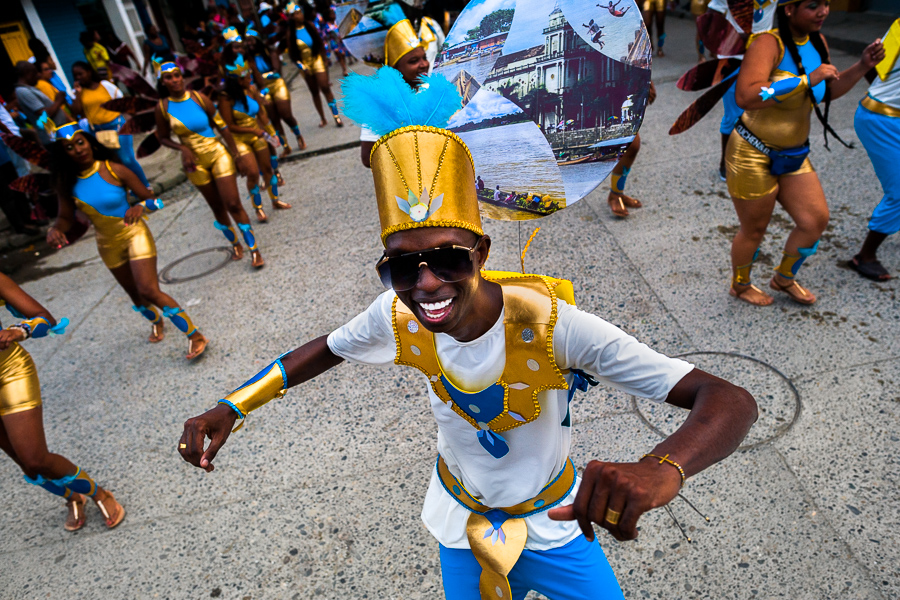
612,517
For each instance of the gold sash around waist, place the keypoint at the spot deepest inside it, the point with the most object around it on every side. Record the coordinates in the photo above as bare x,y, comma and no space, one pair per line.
870,103
497,536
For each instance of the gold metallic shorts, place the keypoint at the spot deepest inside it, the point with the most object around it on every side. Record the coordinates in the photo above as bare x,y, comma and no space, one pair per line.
248,143
20,389
216,163
316,65
747,170
278,89
651,5
698,7
130,242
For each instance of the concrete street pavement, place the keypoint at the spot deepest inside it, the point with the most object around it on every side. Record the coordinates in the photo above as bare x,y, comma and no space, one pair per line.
319,495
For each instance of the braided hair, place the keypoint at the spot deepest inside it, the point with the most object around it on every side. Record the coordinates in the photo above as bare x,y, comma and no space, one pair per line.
815,38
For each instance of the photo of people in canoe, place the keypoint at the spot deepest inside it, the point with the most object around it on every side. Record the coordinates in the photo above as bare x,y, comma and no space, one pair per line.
517,175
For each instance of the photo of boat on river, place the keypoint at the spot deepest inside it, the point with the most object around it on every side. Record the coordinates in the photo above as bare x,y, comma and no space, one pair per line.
548,109
517,176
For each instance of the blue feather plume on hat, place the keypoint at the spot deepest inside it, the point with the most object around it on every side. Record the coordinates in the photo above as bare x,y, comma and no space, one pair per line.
384,101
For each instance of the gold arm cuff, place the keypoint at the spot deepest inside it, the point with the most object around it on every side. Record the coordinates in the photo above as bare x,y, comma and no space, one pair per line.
267,385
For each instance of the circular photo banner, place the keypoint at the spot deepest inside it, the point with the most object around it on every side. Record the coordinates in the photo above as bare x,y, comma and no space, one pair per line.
547,109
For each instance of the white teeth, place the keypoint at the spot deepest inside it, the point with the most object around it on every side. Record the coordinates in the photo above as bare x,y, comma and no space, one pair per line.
435,305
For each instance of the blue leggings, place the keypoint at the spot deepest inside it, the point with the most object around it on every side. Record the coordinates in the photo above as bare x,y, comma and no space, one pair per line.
576,571
126,157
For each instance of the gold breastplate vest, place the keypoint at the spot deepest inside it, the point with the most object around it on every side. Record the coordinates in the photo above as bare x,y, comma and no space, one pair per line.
530,304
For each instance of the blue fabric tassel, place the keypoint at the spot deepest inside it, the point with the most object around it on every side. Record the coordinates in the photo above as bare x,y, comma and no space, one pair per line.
582,382
493,443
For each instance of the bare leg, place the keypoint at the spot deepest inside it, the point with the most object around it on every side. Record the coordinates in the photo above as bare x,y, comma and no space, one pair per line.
313,86
325,87
287,115
343,62
754,217
272,112
647,15
804,200
701,56
617,199
268,176
253,186
223,217
661,31
22,438
125,279
147,280
869,250
228,191
725,137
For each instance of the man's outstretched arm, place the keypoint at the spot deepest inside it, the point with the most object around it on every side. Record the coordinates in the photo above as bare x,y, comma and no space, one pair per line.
304,363
721,415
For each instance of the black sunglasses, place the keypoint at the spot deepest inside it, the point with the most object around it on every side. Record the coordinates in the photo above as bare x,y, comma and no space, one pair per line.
449,264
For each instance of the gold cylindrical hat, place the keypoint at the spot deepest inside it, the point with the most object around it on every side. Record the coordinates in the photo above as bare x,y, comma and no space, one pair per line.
424,177
402,38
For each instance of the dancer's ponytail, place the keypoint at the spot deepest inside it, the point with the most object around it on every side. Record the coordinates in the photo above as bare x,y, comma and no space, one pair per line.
815,38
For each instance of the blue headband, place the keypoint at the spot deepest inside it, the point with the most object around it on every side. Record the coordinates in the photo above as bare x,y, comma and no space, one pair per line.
68,131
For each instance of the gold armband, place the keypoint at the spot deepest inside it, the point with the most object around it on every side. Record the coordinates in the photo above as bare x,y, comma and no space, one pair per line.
268,384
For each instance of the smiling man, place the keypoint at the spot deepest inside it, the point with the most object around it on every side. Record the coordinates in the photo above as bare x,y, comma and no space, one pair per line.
502,355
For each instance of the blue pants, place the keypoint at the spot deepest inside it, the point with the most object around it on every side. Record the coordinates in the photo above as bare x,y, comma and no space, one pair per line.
733,112
126,148
576,571
880,136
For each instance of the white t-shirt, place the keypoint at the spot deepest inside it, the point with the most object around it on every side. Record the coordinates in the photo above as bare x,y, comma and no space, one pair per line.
537,450
367,135
887,91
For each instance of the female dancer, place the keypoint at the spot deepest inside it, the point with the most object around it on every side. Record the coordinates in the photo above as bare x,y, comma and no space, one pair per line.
266,67
766,158
21,416
87,178
653,11
331,34
239,106
90,94
155,44
305,47
209,166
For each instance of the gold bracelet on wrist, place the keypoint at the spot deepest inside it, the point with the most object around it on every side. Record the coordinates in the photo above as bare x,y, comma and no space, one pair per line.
666,459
